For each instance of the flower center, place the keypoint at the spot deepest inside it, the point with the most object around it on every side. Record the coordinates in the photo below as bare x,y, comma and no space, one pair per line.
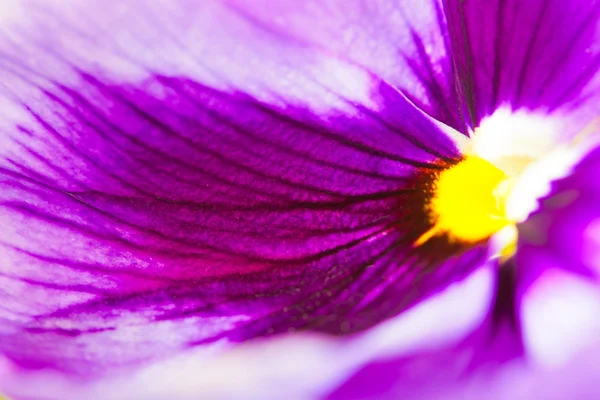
468,200
509,164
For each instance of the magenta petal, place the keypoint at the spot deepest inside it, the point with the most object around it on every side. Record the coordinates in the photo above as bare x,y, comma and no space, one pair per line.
558,256
441,372
537,54
562,233
404,43
142,224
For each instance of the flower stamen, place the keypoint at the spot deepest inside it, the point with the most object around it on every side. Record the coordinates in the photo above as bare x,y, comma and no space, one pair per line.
467,203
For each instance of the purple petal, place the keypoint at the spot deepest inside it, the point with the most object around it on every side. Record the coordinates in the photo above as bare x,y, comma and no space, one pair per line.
516,380
152,205
306,365
538,54
435,373
558,252
404,43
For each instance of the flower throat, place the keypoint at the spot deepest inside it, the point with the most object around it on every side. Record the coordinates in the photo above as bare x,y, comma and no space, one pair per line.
467,201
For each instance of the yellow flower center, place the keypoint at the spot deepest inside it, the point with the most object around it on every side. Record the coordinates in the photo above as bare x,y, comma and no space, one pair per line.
467,203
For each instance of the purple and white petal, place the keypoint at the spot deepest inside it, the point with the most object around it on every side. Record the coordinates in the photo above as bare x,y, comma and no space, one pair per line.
538,55
308,365
493,345
404,43
558,251
162,192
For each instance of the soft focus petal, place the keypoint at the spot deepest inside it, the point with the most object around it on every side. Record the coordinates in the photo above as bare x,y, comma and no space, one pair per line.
307,366
161,191
558,251
538,54
403,41
441,370
577,379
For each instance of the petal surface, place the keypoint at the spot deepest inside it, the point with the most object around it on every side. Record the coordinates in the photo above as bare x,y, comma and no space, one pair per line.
540,54
161,191
493,346
303,365
405,42
558,258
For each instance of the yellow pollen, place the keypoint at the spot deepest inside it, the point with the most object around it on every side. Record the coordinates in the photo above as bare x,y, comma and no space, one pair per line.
468,202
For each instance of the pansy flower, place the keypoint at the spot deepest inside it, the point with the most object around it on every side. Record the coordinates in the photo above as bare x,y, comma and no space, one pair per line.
305,199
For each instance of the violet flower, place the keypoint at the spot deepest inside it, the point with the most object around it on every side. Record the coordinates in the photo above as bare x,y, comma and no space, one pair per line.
304,199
